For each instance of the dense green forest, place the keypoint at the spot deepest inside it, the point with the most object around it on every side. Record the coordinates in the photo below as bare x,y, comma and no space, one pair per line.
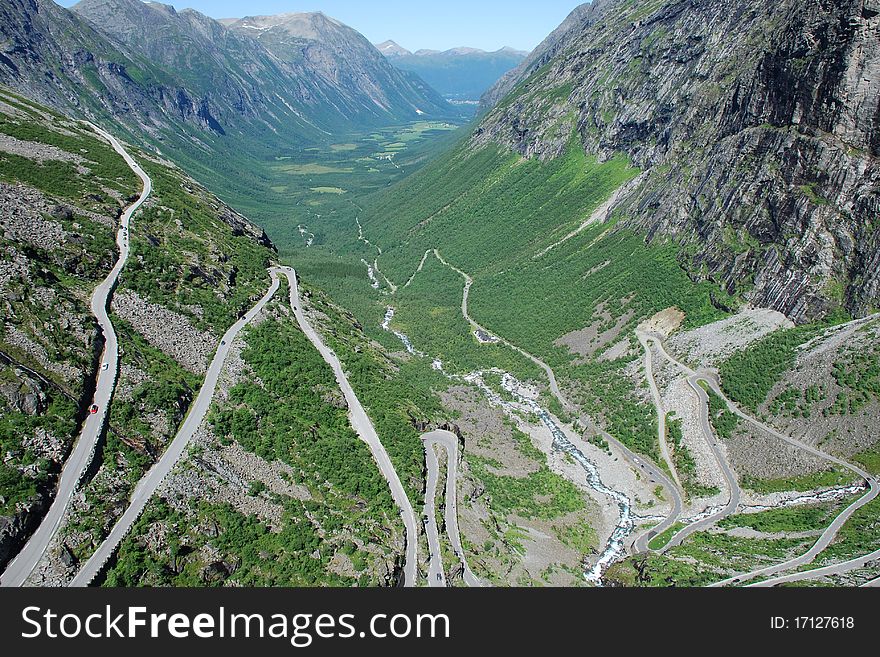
284,414
252,554
749,376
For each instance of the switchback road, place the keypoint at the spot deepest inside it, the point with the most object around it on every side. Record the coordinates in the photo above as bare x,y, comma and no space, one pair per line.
150,482
834,569
729,476
735,492
449,441
436,573
830,533
658,405
83,453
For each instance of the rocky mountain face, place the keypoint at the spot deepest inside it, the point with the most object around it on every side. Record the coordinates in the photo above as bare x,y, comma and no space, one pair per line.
459,73
352,76
757,124
578,20
233,81
60,58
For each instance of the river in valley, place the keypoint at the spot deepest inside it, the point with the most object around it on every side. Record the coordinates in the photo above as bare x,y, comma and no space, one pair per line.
521,400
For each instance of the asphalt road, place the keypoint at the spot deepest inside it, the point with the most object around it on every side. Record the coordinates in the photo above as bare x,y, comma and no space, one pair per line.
658,404
824,541
449,441
436,574
735,492
874,583
729,476
83,453
150,482
834,569
640,464
830,533
361,423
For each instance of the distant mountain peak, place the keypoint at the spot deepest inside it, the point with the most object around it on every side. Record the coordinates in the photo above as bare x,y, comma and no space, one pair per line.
306,25
392,49
461,74
462,50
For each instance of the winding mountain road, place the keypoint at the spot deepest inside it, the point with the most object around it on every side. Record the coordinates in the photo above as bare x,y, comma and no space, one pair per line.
362,424
449,441
658,405
732,484
154,477
436,573
18,571
734,490
808,557
830,533
834,569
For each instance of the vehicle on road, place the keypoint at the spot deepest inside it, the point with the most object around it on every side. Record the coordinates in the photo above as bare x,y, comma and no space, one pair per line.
105,367
93,409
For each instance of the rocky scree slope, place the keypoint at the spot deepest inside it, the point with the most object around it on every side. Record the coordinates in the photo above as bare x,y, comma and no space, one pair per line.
757,124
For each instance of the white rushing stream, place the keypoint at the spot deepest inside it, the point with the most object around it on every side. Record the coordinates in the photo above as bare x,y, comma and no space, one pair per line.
522,403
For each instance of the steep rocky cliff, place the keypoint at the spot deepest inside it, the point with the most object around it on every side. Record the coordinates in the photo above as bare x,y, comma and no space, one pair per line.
758,125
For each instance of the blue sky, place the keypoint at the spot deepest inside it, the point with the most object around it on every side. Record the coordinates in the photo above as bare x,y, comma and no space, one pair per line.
414,24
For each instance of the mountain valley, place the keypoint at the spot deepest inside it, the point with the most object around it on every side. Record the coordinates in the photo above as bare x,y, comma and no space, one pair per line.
639,290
